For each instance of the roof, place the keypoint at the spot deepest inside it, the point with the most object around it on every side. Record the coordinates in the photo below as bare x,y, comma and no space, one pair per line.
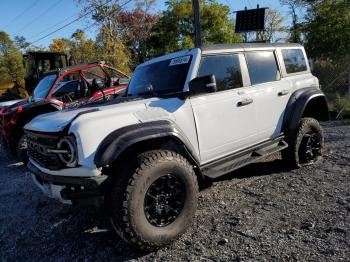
245,46
77,66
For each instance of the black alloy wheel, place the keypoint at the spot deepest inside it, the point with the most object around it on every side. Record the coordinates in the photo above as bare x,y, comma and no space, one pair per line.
310,148
164,200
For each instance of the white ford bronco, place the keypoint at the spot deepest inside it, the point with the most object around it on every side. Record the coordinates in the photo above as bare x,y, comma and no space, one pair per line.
188,117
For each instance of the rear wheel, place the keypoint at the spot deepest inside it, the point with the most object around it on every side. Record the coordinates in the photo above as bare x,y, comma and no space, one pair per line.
306,144
155,201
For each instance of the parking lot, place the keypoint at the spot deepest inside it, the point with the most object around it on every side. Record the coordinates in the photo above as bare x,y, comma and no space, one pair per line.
261,212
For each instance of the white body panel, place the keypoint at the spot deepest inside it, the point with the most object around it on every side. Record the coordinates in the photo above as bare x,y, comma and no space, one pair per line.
213,123
222,126
270,107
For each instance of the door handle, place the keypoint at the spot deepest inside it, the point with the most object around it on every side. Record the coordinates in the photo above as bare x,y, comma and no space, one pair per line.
283,93
245,102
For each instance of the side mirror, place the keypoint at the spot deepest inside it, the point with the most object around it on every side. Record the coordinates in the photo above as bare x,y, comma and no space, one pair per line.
203,84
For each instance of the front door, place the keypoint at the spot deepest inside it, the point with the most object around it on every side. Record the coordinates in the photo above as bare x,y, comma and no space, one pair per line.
225,119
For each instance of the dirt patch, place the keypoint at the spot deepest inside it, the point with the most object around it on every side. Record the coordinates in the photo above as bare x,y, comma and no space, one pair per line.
260,212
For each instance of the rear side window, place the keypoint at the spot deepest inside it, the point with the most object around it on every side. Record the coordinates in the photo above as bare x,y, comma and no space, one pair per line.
226,69
294,60
262,67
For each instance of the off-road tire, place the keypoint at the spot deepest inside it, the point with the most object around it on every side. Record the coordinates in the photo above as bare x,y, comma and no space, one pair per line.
22,150
292,155
129,193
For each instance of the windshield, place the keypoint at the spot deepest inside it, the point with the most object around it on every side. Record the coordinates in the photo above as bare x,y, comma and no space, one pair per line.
163,77
43,88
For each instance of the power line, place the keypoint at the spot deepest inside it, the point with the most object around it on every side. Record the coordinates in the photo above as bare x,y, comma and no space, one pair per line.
75,20
39,16
64,26
56,24
23,13
52,26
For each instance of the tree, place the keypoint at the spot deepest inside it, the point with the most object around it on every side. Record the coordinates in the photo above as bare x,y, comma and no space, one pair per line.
60,45
21,43
145,5
114,51
274,26
175,28
295,29
135,28
11,60
327,29
83,50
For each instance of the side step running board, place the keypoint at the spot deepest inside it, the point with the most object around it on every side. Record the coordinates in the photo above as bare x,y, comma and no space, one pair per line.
242,158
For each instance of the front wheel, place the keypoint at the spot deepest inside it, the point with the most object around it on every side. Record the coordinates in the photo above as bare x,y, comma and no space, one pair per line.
155,201
306,144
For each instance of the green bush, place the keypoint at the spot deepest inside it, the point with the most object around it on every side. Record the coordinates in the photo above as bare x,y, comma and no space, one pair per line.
340,103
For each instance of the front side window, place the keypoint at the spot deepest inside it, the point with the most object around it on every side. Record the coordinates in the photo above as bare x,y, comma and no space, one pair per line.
262,67
226,69
294,60
159,78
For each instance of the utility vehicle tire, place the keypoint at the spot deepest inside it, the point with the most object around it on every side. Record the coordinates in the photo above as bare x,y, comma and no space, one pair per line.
154,201
22,150
306,144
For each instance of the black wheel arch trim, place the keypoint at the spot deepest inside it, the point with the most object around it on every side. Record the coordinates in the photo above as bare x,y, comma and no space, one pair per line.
119,140
297,104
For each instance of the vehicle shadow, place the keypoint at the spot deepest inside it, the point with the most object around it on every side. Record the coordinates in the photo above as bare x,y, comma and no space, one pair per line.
257,169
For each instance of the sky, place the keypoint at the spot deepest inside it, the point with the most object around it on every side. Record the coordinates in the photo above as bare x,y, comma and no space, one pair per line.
33,19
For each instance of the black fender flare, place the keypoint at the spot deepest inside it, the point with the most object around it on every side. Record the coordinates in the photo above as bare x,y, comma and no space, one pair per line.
117,141
297,104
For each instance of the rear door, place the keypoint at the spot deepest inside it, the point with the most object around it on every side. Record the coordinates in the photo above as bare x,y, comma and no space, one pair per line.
272,92
225,120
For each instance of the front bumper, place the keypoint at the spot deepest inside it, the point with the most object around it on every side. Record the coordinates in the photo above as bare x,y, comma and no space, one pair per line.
71,190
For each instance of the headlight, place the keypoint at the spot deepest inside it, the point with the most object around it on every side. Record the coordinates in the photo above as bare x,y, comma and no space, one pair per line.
67,151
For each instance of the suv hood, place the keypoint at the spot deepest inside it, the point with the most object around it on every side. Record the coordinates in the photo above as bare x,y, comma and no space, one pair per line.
57,121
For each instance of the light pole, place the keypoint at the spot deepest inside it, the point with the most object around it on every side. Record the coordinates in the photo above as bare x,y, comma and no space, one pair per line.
197,23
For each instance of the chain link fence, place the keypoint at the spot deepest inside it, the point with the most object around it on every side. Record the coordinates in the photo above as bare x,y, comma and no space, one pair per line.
334,77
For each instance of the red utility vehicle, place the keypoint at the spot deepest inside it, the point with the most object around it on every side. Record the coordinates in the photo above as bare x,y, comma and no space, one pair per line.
66,88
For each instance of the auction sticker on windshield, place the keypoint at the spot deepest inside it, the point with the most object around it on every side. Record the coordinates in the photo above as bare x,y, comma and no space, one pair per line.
180,60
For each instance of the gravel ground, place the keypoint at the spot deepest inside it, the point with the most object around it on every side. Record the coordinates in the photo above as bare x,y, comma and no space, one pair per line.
261,212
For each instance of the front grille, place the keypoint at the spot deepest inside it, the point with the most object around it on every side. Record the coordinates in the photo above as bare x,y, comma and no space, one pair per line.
38,145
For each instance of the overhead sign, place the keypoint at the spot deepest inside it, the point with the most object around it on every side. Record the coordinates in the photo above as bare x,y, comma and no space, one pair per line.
250,20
